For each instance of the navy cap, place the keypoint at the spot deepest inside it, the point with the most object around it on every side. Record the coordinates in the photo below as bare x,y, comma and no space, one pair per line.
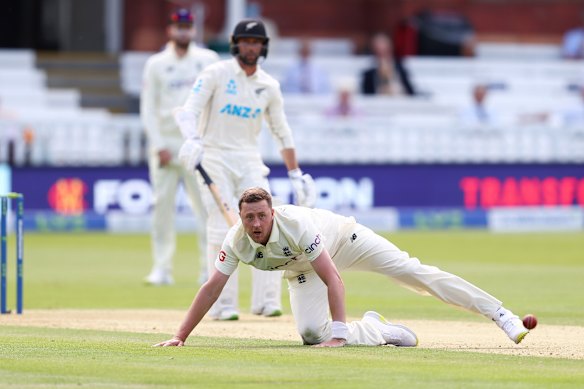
182,16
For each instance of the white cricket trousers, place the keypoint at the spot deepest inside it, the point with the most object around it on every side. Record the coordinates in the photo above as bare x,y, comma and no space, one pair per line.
165,181
362,249
233,172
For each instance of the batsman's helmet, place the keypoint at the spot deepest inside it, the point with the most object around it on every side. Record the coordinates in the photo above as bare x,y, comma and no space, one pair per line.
249,28
182,16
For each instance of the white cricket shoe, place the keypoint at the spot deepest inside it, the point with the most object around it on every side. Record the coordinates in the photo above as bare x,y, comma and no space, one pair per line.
227,314
268,311
159,277
271,311
511,324
395,334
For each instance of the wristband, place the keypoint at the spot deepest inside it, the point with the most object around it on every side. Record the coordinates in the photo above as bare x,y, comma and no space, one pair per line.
295,173
340,330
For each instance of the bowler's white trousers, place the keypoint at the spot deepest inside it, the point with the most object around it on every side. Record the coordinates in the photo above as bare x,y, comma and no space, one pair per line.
362,249
233,172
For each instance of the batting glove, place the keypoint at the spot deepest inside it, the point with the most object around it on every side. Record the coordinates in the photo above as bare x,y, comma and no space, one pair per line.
304,188
191,153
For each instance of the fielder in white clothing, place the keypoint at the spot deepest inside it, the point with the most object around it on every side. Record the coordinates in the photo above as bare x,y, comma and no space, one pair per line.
167,80
313,245
223,116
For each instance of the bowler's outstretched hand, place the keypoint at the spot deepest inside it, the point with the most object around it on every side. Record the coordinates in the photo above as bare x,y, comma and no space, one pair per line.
174,342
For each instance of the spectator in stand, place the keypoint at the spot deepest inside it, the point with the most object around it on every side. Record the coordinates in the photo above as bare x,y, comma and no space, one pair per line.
344,106
573,42
572,116
304,76
477,114
388,76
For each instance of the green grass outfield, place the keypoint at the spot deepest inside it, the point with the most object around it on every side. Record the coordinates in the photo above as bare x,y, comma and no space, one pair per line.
539,273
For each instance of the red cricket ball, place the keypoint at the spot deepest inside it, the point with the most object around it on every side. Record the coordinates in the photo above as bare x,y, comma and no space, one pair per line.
529,321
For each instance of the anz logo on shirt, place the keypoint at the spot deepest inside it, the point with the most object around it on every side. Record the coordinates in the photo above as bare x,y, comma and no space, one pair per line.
240,111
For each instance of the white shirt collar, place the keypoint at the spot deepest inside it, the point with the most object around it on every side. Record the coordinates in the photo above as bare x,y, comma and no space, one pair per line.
274,235
239,70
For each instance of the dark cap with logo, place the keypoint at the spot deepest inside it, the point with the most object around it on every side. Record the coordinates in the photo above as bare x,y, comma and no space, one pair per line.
182,16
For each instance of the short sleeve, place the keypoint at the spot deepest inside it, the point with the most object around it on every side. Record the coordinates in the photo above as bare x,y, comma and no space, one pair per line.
226,262
311,240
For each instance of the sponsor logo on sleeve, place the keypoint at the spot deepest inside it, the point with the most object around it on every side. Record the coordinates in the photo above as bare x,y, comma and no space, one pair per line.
309,249
222,256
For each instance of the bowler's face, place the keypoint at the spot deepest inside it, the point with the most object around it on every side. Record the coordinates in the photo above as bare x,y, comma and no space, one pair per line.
257,219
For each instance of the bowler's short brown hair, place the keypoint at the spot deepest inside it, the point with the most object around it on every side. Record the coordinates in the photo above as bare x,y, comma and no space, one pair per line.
255,195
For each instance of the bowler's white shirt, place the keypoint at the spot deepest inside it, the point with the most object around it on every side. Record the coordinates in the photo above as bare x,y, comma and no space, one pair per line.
167,81
298,237
230,106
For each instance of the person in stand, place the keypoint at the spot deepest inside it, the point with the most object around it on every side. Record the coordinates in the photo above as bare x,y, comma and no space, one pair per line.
344,106
387,76
167,80
304,76
573,42
221,121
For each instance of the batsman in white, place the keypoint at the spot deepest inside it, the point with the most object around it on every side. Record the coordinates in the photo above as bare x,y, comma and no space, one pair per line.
313,245
223,116
167,80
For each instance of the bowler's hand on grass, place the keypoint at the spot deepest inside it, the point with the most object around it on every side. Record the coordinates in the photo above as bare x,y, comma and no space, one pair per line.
174,342
334,342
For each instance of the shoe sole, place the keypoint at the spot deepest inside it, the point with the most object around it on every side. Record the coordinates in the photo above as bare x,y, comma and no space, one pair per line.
521,337
275,313
406,329
228,318
378,316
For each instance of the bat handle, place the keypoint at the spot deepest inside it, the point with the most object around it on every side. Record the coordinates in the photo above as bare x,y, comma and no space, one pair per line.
206,177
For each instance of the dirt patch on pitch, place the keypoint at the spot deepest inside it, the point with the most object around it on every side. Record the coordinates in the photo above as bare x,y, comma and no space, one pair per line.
483,337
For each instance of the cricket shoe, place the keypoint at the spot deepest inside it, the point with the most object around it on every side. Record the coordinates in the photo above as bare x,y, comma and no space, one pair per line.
394,334
159,278
268,311
271,311
227,314
511,324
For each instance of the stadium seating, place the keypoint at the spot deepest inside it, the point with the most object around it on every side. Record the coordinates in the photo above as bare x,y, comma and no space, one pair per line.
426,128
321,47
16,59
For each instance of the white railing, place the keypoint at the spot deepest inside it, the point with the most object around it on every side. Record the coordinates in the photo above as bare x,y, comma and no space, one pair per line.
100,138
